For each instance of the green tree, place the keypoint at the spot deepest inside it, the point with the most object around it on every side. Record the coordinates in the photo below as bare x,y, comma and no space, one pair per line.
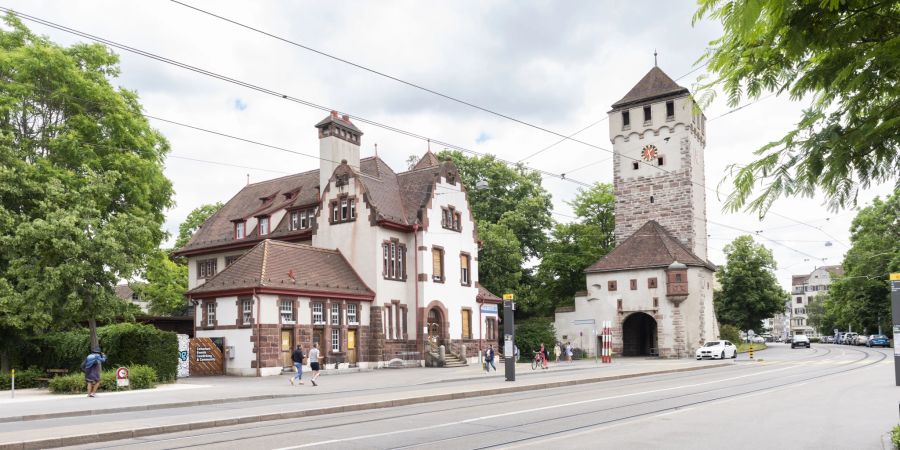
815,314
194,221
750,291
862,296
499,259
82,190
842,55
165,286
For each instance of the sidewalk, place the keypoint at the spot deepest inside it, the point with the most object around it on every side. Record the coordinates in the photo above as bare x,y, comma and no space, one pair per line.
46,420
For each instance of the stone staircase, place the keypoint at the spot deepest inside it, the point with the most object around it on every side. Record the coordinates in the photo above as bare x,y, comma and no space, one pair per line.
452,360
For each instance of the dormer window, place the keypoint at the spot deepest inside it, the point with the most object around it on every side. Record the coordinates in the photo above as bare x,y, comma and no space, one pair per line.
343,209
302,219
263,226
240,230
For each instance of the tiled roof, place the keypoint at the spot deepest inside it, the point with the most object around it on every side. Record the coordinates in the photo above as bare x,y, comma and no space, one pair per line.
123,291
836,270
340,120
650,246
486,295
272,263
799,280
656,84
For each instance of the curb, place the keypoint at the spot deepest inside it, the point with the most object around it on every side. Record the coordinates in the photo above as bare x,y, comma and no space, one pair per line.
164,429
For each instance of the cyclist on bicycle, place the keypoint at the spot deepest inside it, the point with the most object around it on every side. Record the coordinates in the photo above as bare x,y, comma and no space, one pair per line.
544,355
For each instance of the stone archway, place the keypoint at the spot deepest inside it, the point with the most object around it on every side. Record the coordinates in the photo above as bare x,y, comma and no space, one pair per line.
639,335
435,320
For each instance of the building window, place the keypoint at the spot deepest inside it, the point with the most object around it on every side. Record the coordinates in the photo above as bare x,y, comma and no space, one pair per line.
240,230
464,270
651,282
394,260
451,219
678,278
343,209
799,300
263,226
247,311
611,285
659,161
206,268
335,314
287,311
229,260
656,302
619,304
635,165
135,297
467,324
335,340
647,116
633,285
351,314
437,264
211,314
302,219
626,120
317,316
670,110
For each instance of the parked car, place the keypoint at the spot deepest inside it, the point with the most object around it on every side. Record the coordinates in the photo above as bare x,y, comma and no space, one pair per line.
828,339
861,339
878,340
717,350
849,339
758,339
800,340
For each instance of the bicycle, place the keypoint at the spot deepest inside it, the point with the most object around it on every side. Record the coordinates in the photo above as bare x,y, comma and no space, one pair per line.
538,361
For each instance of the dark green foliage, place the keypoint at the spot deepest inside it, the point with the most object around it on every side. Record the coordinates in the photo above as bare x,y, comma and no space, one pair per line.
750,291
530,334
730,333
25,379
125,344
140,377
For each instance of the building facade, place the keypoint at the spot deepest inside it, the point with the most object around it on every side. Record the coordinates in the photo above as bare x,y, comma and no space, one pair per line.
656,286
806,290
371,265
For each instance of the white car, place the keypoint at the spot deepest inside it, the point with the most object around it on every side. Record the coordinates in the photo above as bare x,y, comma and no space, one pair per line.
717,350
800,341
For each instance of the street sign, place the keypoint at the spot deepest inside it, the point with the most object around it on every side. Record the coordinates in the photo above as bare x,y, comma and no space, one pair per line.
489,309
509,297
895,276
584,322
122,376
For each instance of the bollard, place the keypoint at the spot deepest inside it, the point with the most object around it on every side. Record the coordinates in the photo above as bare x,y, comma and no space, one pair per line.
14,383
751,351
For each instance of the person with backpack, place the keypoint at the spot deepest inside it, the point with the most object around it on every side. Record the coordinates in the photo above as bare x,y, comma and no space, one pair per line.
92,368
489,359
297,358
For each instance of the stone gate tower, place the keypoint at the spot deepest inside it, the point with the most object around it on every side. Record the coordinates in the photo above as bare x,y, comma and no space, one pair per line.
658,136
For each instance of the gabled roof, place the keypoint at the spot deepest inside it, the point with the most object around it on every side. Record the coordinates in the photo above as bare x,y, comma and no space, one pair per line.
799,280
655,85
272,264
651,246
485,295
427,160
343,121
836,270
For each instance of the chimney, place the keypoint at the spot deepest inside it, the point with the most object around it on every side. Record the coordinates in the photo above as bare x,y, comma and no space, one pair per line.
339,141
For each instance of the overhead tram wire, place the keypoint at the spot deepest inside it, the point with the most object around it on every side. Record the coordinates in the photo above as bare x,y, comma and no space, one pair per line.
268,91
328,109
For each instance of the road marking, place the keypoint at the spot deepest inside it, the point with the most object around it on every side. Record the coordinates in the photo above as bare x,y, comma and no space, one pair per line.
525,411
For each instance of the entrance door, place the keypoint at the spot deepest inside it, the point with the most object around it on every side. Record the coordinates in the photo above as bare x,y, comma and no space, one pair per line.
434,328
287,343
639,335
351,347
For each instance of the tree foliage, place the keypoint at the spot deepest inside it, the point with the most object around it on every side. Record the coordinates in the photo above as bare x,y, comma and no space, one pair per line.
194,221
844,55
862,295
82,190
749,290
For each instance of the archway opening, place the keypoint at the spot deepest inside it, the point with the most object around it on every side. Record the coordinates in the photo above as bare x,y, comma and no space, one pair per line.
435,325
639,335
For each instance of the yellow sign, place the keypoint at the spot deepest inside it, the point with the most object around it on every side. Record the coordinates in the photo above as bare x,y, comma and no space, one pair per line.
895,277
508,297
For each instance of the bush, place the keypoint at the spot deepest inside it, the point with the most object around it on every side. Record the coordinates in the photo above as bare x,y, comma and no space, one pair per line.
24,379
531,333
125,344
578,353
895,436
730,333
141,377
814,340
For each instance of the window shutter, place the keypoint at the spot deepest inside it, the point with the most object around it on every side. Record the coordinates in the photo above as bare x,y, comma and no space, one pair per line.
436,263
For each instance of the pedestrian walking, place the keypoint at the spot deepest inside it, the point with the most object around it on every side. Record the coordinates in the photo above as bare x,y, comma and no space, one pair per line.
92,367
297,358
489,359
556,352
515,353
314,363
569,351
543,351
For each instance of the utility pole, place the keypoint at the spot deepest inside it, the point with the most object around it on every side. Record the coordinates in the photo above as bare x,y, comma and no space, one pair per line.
509,336
895,315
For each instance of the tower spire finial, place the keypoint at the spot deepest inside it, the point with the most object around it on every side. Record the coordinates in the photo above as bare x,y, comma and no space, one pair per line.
376,149
655,64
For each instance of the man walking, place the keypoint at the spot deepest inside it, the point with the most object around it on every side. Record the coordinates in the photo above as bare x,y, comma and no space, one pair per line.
314,363
92,369
556,352
489,359
297,358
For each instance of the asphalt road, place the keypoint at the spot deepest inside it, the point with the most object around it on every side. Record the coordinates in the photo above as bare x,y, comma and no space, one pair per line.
825,397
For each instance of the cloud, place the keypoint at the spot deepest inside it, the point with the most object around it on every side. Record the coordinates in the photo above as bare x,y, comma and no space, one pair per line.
239,104
482,138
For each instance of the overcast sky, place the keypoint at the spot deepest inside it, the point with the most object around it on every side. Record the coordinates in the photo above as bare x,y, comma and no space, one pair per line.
556,65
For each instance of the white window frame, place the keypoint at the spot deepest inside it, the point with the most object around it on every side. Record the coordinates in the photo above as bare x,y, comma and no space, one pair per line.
247,311
345,209
335,314
352,318
211,314
318,313
464,271
286,309
352,203
263,226
304,219
335,340
240,230
295,220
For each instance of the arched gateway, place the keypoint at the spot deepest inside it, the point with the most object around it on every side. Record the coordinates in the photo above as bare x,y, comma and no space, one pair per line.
639,335
435,324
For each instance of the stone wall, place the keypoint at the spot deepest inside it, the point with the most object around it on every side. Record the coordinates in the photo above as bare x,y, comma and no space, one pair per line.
269,345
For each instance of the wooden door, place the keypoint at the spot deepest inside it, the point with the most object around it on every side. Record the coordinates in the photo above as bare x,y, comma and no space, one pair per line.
287,343
351,347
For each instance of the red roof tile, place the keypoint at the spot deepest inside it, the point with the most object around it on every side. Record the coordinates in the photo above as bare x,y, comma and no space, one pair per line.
650,246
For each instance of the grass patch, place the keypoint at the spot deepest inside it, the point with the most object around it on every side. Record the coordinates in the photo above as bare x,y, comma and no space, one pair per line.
744,348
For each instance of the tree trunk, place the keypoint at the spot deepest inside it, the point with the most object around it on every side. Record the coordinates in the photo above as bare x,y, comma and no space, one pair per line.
92,324
4,361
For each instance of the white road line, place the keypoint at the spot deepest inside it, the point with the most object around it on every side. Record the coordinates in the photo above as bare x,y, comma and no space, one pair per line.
525,411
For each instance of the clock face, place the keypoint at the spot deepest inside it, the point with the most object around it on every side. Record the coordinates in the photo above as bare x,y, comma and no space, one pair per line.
649,152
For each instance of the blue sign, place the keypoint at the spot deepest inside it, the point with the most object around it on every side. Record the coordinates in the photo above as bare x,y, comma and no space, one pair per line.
489,309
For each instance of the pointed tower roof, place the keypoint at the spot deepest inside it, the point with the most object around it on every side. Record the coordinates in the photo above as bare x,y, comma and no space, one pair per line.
651,246
655,85
427,160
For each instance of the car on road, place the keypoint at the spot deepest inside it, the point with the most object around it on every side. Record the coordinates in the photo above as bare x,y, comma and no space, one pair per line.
758,339
849,339
800,340
827,339
878,340
861,340
717,350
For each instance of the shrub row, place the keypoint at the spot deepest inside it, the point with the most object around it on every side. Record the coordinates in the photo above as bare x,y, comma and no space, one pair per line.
140,376
27,378
125,344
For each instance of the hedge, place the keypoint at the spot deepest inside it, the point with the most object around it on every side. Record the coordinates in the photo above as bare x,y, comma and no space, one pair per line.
125,344
140,377
24,379
531,333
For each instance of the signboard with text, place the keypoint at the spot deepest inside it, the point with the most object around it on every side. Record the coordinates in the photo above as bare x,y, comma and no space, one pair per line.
489,309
